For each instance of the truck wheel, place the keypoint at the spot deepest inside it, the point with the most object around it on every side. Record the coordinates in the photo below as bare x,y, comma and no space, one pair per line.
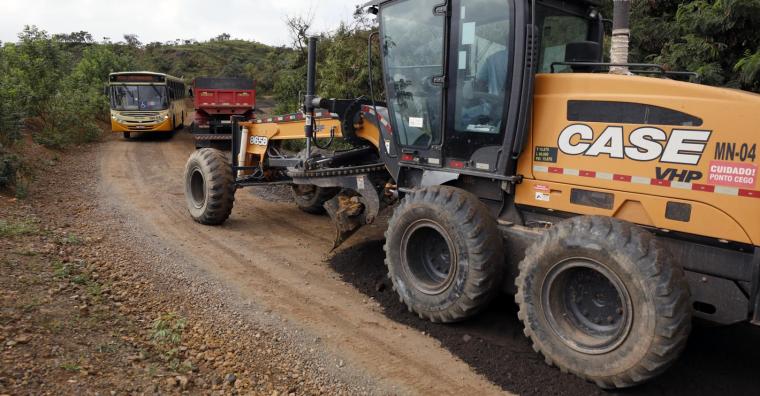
311,199
209,187
444,254
602,299
127,135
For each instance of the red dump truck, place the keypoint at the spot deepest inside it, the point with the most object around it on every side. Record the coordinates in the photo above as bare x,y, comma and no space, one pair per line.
216,99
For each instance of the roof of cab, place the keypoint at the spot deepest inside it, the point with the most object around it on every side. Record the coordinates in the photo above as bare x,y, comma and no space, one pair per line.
379,2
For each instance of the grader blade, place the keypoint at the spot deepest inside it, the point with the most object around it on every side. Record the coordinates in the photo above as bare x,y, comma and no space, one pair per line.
350,210
347,213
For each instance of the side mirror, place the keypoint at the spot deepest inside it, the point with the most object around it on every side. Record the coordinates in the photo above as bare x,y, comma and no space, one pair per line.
583,51
607,25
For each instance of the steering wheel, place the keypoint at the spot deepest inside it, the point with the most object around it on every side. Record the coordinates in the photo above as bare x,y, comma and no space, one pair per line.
494,103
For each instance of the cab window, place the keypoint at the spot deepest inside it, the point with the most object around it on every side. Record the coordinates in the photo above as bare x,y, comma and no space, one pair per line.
558,28
482,59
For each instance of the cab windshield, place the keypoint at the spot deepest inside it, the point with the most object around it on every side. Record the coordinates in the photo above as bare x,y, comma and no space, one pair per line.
139,97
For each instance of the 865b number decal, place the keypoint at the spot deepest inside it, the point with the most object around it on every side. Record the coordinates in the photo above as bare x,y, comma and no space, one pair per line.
259,140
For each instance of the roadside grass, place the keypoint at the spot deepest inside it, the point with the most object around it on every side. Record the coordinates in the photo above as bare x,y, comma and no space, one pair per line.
167,329
9,229
31,306
69,366
71,239
61,270
109,347
166,335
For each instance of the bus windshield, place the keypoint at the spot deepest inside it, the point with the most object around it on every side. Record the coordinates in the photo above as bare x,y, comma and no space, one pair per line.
139,97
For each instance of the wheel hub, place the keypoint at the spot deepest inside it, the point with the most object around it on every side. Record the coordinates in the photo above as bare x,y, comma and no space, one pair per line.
428,257
587,306
198,188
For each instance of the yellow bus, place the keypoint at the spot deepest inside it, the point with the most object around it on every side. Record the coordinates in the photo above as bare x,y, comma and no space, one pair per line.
146,102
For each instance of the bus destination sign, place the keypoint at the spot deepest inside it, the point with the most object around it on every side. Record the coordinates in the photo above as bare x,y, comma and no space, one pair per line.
137,78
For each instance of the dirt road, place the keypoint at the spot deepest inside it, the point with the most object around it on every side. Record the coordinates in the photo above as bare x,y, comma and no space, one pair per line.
273,254
274,257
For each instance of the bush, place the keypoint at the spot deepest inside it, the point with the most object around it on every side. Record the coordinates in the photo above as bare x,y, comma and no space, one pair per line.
9,167
11,103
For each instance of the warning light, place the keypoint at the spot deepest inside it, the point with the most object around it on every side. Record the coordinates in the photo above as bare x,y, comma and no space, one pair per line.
456,164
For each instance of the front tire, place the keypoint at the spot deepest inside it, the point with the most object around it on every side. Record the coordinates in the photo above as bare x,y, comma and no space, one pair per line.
602,299
209,187
311,199
444,254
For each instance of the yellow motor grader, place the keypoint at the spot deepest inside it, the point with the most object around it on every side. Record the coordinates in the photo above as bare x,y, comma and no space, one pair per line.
615,208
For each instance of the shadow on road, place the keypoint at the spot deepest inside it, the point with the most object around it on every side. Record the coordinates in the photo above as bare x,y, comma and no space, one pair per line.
717,360
149,137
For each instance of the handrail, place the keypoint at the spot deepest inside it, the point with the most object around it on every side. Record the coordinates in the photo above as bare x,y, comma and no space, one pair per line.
660,69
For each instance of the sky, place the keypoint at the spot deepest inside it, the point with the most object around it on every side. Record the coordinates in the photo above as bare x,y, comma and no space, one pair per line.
165,20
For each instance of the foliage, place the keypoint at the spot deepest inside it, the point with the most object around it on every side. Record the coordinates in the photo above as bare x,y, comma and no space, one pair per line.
342,64
166,335
11,228
168,329
717,39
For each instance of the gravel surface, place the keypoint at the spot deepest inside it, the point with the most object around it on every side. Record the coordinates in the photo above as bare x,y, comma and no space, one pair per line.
108,289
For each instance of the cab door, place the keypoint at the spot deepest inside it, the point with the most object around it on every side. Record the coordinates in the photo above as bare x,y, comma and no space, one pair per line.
414,36
455,76
482,52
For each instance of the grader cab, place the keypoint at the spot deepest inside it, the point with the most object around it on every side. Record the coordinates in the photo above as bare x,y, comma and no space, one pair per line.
615,208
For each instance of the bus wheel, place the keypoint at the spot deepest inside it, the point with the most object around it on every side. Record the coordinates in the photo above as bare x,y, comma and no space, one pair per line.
127,135
602,299
209,187
444,254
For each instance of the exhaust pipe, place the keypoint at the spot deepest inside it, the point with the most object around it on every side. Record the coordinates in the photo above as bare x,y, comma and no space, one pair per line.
311,87
621,36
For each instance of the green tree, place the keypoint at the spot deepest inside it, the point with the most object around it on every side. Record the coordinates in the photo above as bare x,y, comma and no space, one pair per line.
717,39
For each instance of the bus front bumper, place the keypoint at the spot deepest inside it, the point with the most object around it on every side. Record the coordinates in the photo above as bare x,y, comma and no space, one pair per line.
164,126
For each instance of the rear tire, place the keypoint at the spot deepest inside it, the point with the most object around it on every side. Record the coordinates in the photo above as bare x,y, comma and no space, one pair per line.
444,254
311,199
602,299
209,187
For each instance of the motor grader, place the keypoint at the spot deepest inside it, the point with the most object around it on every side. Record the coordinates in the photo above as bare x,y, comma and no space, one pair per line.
615,208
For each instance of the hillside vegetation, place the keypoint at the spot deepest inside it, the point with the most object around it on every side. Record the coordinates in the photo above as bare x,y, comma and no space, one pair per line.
51,86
